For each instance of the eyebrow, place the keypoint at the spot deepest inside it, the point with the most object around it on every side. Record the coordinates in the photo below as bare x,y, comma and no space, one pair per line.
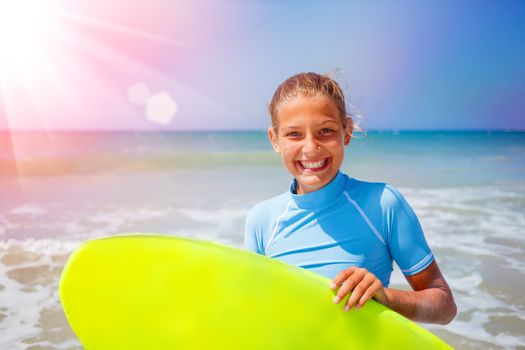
298,127
329,122
290,127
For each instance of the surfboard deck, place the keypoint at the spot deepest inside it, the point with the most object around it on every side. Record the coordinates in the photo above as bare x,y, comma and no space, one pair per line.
145,291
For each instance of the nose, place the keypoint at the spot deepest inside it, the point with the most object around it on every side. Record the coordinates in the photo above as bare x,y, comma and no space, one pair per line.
310,144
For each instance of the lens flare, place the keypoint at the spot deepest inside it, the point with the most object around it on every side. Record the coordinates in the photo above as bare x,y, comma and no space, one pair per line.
161,108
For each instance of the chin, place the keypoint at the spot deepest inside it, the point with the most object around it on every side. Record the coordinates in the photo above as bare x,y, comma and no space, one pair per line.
313,185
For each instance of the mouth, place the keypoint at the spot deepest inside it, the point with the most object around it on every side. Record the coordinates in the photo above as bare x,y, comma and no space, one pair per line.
313,165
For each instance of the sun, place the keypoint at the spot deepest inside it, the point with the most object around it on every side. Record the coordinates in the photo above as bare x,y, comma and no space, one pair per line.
25,27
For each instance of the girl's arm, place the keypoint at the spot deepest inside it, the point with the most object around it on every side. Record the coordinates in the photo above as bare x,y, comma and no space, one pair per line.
431,301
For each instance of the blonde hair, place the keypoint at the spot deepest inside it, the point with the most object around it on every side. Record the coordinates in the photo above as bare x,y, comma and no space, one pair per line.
309,85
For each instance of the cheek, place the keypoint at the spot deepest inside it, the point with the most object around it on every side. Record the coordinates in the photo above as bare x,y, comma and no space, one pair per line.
287,154
287,149
335,145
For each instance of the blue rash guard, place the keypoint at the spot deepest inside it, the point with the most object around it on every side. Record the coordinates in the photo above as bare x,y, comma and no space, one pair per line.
346,223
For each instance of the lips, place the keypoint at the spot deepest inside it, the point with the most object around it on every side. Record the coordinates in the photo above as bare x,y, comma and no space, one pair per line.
313,165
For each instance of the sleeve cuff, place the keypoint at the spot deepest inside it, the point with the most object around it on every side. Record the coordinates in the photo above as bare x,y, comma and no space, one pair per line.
420,266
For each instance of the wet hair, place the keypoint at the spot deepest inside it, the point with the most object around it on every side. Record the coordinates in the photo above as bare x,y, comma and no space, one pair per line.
309,85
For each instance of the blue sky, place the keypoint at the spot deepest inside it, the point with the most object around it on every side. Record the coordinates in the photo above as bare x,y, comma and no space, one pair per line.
406,64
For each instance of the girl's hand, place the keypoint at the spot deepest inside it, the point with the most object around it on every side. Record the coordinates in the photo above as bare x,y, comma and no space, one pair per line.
363,284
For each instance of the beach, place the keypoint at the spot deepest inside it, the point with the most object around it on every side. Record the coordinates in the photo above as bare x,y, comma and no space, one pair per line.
58,190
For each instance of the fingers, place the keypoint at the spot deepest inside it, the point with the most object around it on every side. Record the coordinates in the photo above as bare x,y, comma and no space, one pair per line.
359,291
350,284
369,293
342,276
362,283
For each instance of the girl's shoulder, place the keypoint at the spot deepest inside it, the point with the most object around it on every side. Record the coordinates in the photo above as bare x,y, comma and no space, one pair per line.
383,193
269,207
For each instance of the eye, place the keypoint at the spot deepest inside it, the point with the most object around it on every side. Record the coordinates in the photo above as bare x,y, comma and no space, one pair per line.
293,134
326,131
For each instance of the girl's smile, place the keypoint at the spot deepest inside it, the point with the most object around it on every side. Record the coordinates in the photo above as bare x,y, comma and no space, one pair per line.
313,165
310,138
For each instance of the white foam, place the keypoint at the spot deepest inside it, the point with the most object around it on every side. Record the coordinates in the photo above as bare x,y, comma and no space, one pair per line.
28,209
225,221
212,216
44,247
473,329
113,219
4,225
23,303
479,305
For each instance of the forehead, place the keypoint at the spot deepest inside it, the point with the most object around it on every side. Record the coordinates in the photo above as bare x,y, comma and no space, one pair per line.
308,109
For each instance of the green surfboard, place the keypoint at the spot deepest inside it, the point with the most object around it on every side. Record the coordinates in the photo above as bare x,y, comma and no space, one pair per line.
163,292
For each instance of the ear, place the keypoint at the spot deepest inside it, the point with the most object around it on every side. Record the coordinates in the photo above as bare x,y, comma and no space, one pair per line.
272,136
348,130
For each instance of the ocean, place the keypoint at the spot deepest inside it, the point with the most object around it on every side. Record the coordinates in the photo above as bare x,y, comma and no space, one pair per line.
59,189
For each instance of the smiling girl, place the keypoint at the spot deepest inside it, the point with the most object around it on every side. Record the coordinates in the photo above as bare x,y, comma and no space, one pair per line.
337,226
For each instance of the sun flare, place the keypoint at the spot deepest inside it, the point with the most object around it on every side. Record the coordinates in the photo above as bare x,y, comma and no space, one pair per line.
67,64
25,28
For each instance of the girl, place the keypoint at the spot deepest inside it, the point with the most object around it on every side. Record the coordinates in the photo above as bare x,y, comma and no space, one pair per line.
346,229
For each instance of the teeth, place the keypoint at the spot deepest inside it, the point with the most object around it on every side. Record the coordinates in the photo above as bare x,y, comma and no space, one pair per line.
313,165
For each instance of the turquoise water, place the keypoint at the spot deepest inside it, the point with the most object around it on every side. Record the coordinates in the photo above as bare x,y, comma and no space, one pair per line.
468,189
421,159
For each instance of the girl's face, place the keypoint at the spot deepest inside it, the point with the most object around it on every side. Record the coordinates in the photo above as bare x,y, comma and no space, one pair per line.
311,140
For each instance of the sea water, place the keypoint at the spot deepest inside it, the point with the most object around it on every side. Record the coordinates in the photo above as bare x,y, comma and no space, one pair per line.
59,189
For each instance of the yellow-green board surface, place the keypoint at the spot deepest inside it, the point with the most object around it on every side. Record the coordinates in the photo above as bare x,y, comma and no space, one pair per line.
163,292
